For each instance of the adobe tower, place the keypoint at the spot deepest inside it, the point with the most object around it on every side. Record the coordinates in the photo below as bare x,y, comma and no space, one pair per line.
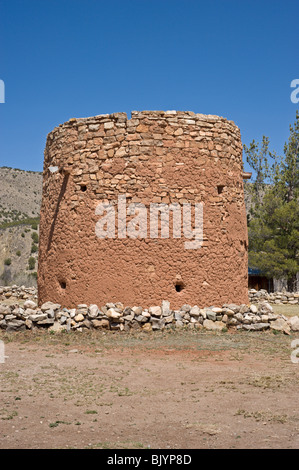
173,158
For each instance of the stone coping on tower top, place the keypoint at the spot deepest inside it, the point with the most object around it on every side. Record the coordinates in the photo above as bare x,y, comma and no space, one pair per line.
190,116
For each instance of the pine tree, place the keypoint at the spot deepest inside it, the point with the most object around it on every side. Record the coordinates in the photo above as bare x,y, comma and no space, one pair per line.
257,158
274,229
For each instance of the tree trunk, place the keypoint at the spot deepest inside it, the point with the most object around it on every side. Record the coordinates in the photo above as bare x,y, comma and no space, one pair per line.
292,283
290,193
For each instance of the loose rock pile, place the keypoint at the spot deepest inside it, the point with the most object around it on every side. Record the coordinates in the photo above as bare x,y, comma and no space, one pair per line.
291,298
23,313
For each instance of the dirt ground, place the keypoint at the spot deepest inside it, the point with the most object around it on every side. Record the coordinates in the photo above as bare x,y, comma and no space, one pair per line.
162,390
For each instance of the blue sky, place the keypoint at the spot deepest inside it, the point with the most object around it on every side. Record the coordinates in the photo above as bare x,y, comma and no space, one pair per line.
75,58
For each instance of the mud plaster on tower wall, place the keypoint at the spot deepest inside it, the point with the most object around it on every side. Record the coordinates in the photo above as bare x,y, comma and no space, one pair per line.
156,156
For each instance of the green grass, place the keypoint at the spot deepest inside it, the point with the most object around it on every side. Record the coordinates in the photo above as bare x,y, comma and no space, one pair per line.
56,423
286,309
236,344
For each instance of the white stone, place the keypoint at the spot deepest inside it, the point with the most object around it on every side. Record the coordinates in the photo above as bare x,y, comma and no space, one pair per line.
93,127
56,327
155,311
146,313
165,308
137,310
72,313
294,323
280,325
38,317
214,325
48,306
30,304
229,312
93,311
79,317
195,311
203,313
112,313
217,309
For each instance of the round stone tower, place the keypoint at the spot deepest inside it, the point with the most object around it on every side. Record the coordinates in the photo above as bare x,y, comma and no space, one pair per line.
142,210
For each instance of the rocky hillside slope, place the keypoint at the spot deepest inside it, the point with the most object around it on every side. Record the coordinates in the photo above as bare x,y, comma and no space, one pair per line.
20,199
20,194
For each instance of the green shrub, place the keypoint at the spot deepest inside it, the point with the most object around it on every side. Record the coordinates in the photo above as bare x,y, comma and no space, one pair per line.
31,263
22,234
34,226
18,253
34,248
34,237
7,261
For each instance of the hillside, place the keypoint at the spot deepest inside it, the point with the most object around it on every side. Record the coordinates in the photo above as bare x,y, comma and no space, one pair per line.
20,199
20,194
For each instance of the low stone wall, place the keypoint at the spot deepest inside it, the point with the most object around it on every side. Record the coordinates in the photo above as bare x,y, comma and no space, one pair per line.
18,292
19,311
283,297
